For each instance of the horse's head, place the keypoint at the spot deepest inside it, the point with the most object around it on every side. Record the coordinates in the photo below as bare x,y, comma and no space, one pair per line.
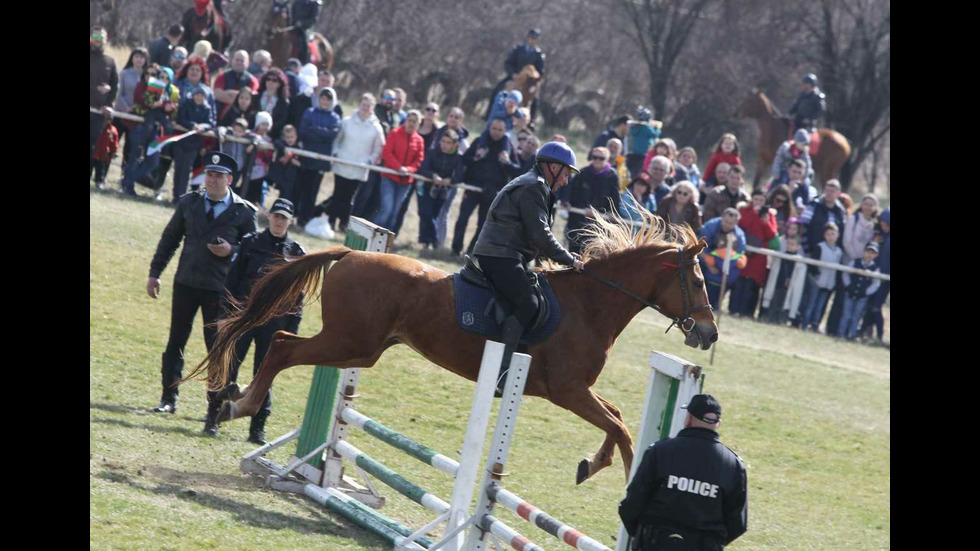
756,105
685,298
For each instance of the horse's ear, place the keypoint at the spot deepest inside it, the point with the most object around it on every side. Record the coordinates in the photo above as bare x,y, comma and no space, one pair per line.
701,246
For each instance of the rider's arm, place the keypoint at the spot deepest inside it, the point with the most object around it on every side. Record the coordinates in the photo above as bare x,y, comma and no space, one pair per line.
534,214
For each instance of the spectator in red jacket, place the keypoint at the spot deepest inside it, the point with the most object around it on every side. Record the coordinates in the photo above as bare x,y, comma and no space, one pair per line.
758,221
105,149
727,151
404,151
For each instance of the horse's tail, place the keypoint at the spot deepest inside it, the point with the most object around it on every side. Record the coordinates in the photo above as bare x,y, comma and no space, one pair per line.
275,294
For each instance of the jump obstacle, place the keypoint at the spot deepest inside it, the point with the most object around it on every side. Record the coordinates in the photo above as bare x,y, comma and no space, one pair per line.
317,467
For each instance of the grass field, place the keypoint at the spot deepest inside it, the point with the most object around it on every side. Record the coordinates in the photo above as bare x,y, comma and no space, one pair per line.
810,416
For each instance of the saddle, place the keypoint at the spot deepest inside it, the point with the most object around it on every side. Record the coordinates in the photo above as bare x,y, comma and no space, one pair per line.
479,309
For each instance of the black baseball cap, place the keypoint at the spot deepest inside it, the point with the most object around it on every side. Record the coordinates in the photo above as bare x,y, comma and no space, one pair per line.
283,207
534,33
220,162
703,404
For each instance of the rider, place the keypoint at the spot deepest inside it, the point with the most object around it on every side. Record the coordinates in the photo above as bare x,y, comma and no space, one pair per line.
518,230
809,105
205,21
519,56
304,16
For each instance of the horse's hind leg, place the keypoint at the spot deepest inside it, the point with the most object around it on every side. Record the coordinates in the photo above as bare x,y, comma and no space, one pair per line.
602,414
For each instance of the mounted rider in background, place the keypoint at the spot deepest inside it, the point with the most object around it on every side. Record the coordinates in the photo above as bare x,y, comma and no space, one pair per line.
518,230
520,55
809,106
304,16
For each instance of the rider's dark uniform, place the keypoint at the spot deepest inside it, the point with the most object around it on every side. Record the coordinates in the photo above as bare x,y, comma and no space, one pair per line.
304,16
519,56
517,230
808,108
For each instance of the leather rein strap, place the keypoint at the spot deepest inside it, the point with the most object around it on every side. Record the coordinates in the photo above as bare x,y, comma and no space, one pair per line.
682,321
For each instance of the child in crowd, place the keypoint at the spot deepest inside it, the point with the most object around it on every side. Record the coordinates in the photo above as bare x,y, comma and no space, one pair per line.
239,129
105,150
444,165
726,151
196,113
260,159
155,99
857,290
822,282
642,133
784,286
686,167
282,170
664,147
637,194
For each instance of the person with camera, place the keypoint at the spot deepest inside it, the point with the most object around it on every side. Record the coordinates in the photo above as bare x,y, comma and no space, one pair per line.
211,224
690,491
643,131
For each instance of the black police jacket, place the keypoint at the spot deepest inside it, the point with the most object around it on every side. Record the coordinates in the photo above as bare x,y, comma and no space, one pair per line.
809,107
198,266
258,253
519,57
519,222
692,483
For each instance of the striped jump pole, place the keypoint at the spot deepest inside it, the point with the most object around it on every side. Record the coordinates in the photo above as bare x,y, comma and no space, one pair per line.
544,521
400,441
363,516
489,523
673,381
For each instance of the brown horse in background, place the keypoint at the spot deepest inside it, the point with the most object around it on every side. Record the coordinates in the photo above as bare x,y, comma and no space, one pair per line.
282,46
774,130
528,82
372,301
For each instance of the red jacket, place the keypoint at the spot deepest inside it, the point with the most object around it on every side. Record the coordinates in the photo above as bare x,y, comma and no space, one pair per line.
403,151
758,234
107,145
719,157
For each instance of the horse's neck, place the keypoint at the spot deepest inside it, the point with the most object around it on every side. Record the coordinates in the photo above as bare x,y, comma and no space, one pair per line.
632,270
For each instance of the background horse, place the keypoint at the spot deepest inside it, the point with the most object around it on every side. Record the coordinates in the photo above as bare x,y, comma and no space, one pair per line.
774,130
528,82
282,45
372,301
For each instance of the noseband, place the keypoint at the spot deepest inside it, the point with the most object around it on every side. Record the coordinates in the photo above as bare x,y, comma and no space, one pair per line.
685,322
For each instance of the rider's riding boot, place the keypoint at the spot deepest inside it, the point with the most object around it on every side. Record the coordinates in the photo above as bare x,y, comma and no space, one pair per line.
211,421
512,335
256,429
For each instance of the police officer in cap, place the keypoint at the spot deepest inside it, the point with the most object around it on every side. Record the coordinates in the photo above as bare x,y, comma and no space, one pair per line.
689,493
517,231
520,55
256,255
809,105
211,223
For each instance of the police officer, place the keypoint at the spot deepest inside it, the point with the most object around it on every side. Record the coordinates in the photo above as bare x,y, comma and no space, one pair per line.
520,55
211,224
689,493
517,230
809,105
304,17
258,253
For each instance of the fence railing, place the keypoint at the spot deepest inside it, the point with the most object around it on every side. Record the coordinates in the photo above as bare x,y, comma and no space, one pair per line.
469,187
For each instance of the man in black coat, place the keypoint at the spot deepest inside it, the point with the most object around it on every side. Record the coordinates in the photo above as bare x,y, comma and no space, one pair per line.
520,55
162,48
211,224
257,253
809,105
690,491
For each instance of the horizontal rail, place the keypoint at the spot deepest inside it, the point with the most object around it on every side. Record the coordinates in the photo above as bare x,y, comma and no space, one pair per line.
818,263
544,521
361,515
398,440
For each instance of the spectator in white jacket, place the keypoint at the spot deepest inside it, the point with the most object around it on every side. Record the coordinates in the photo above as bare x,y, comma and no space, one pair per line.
859,228
360,140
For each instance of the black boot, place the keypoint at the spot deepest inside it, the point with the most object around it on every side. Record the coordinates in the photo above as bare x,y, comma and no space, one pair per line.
512,332
169,372
256,429
211,421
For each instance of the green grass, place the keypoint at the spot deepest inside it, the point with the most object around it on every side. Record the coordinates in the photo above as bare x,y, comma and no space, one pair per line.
808,414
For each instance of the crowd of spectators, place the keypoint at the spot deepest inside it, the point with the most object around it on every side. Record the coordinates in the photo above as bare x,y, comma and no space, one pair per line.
630,165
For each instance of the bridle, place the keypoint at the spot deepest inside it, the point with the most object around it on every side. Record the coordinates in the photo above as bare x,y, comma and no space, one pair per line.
685,322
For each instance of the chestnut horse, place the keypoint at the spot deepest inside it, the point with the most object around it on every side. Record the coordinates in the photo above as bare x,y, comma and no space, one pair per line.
774,130
282,46
372,301
528,81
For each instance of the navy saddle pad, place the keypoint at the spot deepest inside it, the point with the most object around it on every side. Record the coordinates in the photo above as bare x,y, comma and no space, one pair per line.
475,314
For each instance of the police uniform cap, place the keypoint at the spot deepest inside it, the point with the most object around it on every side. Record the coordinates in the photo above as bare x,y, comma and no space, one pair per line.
534,33
703,404
220,162
283,207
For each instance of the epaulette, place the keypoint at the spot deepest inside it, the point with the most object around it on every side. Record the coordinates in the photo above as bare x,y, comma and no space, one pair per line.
737,456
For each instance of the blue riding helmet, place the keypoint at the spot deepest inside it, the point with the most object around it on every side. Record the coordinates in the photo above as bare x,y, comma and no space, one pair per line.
557,152
810,79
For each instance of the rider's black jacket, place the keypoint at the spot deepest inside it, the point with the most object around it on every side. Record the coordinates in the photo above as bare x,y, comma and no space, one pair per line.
519,57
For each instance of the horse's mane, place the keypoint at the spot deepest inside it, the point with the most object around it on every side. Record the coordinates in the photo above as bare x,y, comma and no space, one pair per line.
602,237
767,105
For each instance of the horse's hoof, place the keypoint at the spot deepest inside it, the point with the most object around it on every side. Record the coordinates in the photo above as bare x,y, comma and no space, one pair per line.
230,392
583,471
227,412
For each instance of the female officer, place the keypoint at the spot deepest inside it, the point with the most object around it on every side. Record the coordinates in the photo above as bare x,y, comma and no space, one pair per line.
517,230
